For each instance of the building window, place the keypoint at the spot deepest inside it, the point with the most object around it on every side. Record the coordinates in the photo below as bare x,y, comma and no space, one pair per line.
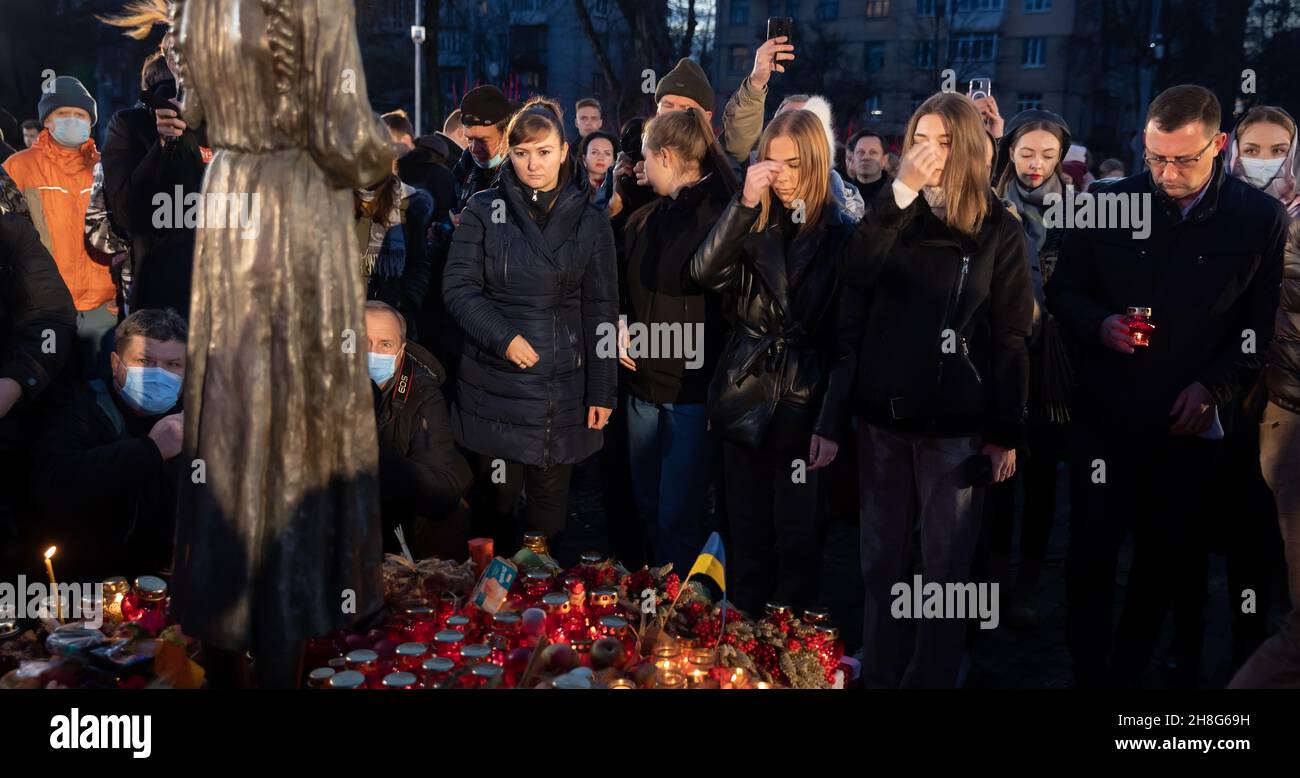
1032,53
924,56
877,8
1037,6
740,59
875,57
973,47
964,6
739,12
828,10
925,7
1030,101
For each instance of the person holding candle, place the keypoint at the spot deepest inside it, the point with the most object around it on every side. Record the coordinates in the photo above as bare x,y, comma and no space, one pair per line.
530,277
1264,154
121,437
1146,421
943,380
778,395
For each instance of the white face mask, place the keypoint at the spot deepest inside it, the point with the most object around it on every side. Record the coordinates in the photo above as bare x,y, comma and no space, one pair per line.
1260,171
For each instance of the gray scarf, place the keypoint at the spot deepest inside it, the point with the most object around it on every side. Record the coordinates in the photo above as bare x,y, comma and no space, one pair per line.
1029,204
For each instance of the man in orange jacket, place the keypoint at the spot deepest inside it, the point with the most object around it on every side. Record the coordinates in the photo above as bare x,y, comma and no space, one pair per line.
55,176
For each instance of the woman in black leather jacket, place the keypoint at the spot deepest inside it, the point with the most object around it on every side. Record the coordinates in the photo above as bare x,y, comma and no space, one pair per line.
778,394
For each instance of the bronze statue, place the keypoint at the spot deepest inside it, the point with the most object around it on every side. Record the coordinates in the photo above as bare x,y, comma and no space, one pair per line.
283,535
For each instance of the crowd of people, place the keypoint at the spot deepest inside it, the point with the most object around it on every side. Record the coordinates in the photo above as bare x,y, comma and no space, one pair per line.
911,335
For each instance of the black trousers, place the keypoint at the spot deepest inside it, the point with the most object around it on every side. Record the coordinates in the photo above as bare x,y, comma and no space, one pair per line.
775,528
494,501
1037,474
1157,488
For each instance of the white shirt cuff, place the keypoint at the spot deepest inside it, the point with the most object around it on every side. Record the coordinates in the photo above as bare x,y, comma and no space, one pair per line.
903,194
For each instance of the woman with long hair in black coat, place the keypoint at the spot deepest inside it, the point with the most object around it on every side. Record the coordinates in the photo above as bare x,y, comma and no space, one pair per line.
778,394
940,266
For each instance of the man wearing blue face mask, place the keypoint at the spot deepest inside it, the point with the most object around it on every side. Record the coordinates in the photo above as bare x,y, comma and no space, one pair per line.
106,479
55,176
422,476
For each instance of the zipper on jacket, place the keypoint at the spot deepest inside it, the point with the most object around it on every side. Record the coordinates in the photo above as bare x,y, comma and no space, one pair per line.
952,311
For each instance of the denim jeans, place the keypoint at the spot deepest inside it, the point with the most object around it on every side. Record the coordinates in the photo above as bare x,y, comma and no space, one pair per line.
672,457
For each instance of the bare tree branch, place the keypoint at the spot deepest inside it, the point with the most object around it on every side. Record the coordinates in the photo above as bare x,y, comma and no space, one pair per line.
596,46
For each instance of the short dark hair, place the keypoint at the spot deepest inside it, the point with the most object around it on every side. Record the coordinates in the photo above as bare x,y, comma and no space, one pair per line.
587,102
453,122
397,120
860,134
1110,164
154,71
160,324
1179,106
380,305
31,124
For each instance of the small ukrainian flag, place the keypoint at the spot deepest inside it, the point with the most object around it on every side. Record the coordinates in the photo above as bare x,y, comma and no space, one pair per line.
712,563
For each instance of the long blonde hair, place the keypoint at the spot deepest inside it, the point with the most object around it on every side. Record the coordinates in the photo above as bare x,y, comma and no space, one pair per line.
138,17
805,129
686,132
965,175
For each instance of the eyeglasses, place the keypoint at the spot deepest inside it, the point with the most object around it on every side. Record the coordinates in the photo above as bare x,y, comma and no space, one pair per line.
1182,163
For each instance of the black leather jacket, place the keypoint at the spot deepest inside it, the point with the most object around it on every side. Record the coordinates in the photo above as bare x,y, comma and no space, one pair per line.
789,344
1283,372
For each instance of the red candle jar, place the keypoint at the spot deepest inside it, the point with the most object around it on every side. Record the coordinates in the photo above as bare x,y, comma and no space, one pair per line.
446,608
832,648
617,627
779,616
589,567
1139,325
447,643
338,663
399,680
581,645
147,601
320,651
419,624
486,676
556,605
504,636
436,669
348,679
410,656
462,624
814,616
536,584
604,602
320,677
366,662
474,654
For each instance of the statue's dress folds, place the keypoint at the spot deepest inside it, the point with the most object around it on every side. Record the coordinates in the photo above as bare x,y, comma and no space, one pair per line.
282,539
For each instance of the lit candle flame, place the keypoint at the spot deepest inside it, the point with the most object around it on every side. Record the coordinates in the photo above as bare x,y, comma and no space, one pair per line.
49,552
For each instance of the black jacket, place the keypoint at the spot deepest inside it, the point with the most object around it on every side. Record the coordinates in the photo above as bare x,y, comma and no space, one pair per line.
101,485
658,293
137,166
1208,279
422,168
471,179
37,317
554,286
1283,372
790,343
943,352
422,476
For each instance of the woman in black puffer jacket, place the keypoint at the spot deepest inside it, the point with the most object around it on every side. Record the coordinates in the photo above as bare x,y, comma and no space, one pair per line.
530,277
778,393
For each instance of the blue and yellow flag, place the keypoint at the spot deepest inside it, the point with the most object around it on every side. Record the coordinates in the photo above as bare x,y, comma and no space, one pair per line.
712,563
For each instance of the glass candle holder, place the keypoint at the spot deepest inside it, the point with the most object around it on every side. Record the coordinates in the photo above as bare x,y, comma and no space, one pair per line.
464,625
320,677
419,623
410,656
504,637
445,609
669,679
536,584
667,656
400,680
739,678
447,643
604,602
1139,325
366,662
115,591
436,669
556,605
486,676
617,627
348,679
621,683
537,543
814,616
339,664
474,654
146,600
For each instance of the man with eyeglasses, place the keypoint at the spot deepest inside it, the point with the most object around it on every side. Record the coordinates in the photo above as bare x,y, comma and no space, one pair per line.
1147,415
